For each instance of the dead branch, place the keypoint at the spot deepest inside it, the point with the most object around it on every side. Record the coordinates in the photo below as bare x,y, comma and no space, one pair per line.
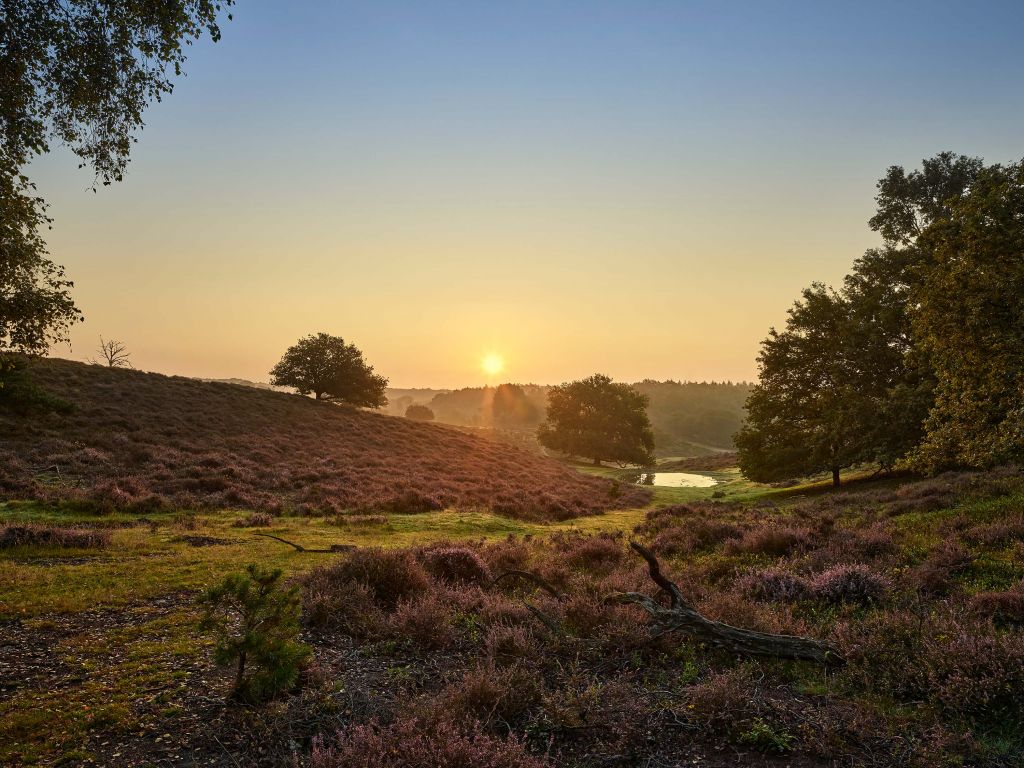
681,617
552,624
531,577
333,549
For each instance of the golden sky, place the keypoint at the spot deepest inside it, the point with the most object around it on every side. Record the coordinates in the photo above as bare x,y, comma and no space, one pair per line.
641,191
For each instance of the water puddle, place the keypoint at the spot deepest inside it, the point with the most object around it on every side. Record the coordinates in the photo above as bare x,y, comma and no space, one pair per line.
675,479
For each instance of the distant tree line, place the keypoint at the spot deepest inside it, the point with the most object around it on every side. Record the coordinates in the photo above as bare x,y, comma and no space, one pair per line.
686,417
917,360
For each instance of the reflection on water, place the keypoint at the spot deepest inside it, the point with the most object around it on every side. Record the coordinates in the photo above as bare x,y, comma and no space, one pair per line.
675,479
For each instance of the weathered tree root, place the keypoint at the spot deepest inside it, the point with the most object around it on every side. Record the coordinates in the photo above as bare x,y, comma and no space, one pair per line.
681,617
333,550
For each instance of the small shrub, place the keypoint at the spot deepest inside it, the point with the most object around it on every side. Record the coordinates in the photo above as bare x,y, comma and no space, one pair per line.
255,520
425,621
511,554
488,691
454,564
997,534
591,553
255,622
763,738
410,743
344,605
773,585
1004,607
850,584
695,535
504,643
935,576
53,536
725,701
388,575
773,540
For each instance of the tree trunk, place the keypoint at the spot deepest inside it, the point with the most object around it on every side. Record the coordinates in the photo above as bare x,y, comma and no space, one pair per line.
597,462
241,671
835,477
318,394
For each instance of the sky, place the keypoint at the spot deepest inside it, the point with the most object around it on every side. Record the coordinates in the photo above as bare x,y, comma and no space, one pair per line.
634,188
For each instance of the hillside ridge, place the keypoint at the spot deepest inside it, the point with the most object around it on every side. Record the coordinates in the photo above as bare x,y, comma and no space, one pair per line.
146,440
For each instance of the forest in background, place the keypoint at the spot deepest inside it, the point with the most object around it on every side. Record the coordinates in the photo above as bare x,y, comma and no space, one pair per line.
689,418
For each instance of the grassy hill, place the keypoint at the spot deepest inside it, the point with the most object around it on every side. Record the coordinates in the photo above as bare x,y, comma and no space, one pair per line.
146,441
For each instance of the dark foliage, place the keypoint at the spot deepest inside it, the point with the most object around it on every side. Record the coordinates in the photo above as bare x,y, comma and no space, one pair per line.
255,623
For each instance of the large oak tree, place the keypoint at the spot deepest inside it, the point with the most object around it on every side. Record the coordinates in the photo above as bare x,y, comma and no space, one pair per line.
329,369
600,420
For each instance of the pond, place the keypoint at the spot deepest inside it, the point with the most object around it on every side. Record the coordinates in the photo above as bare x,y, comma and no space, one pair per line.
675,479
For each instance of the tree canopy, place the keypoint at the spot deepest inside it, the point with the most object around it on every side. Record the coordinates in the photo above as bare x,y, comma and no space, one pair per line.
329,369
80,73
916,359
969,317
418,412
598,419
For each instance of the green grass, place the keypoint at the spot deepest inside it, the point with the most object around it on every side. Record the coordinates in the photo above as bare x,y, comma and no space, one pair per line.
127,675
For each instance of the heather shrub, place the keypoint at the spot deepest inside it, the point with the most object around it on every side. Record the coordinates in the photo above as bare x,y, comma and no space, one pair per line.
424,621
591,553
410,743
935,576
455,564
330,603
1006,607
487,691
997,534
726,701
973,674
773,540
773,585
388,575
497,610
695,535
849,584
255,520
53,536
510,554
412,503
504,643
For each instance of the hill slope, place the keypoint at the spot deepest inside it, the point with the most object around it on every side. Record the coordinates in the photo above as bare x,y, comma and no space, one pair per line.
142,439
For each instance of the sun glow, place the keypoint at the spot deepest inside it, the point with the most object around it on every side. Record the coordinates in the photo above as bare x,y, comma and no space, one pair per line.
492,364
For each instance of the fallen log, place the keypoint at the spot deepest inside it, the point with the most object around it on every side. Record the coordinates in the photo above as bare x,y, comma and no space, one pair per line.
681,617
334,548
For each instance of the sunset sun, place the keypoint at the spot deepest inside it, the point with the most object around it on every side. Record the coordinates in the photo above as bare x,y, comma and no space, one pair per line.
492,364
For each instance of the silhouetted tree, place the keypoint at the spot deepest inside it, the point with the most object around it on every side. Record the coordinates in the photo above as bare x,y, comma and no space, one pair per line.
329,369
512,408
113,354
80,73
600,420
418,412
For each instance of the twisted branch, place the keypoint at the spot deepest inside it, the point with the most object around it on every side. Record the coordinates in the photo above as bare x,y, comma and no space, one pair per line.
681,617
